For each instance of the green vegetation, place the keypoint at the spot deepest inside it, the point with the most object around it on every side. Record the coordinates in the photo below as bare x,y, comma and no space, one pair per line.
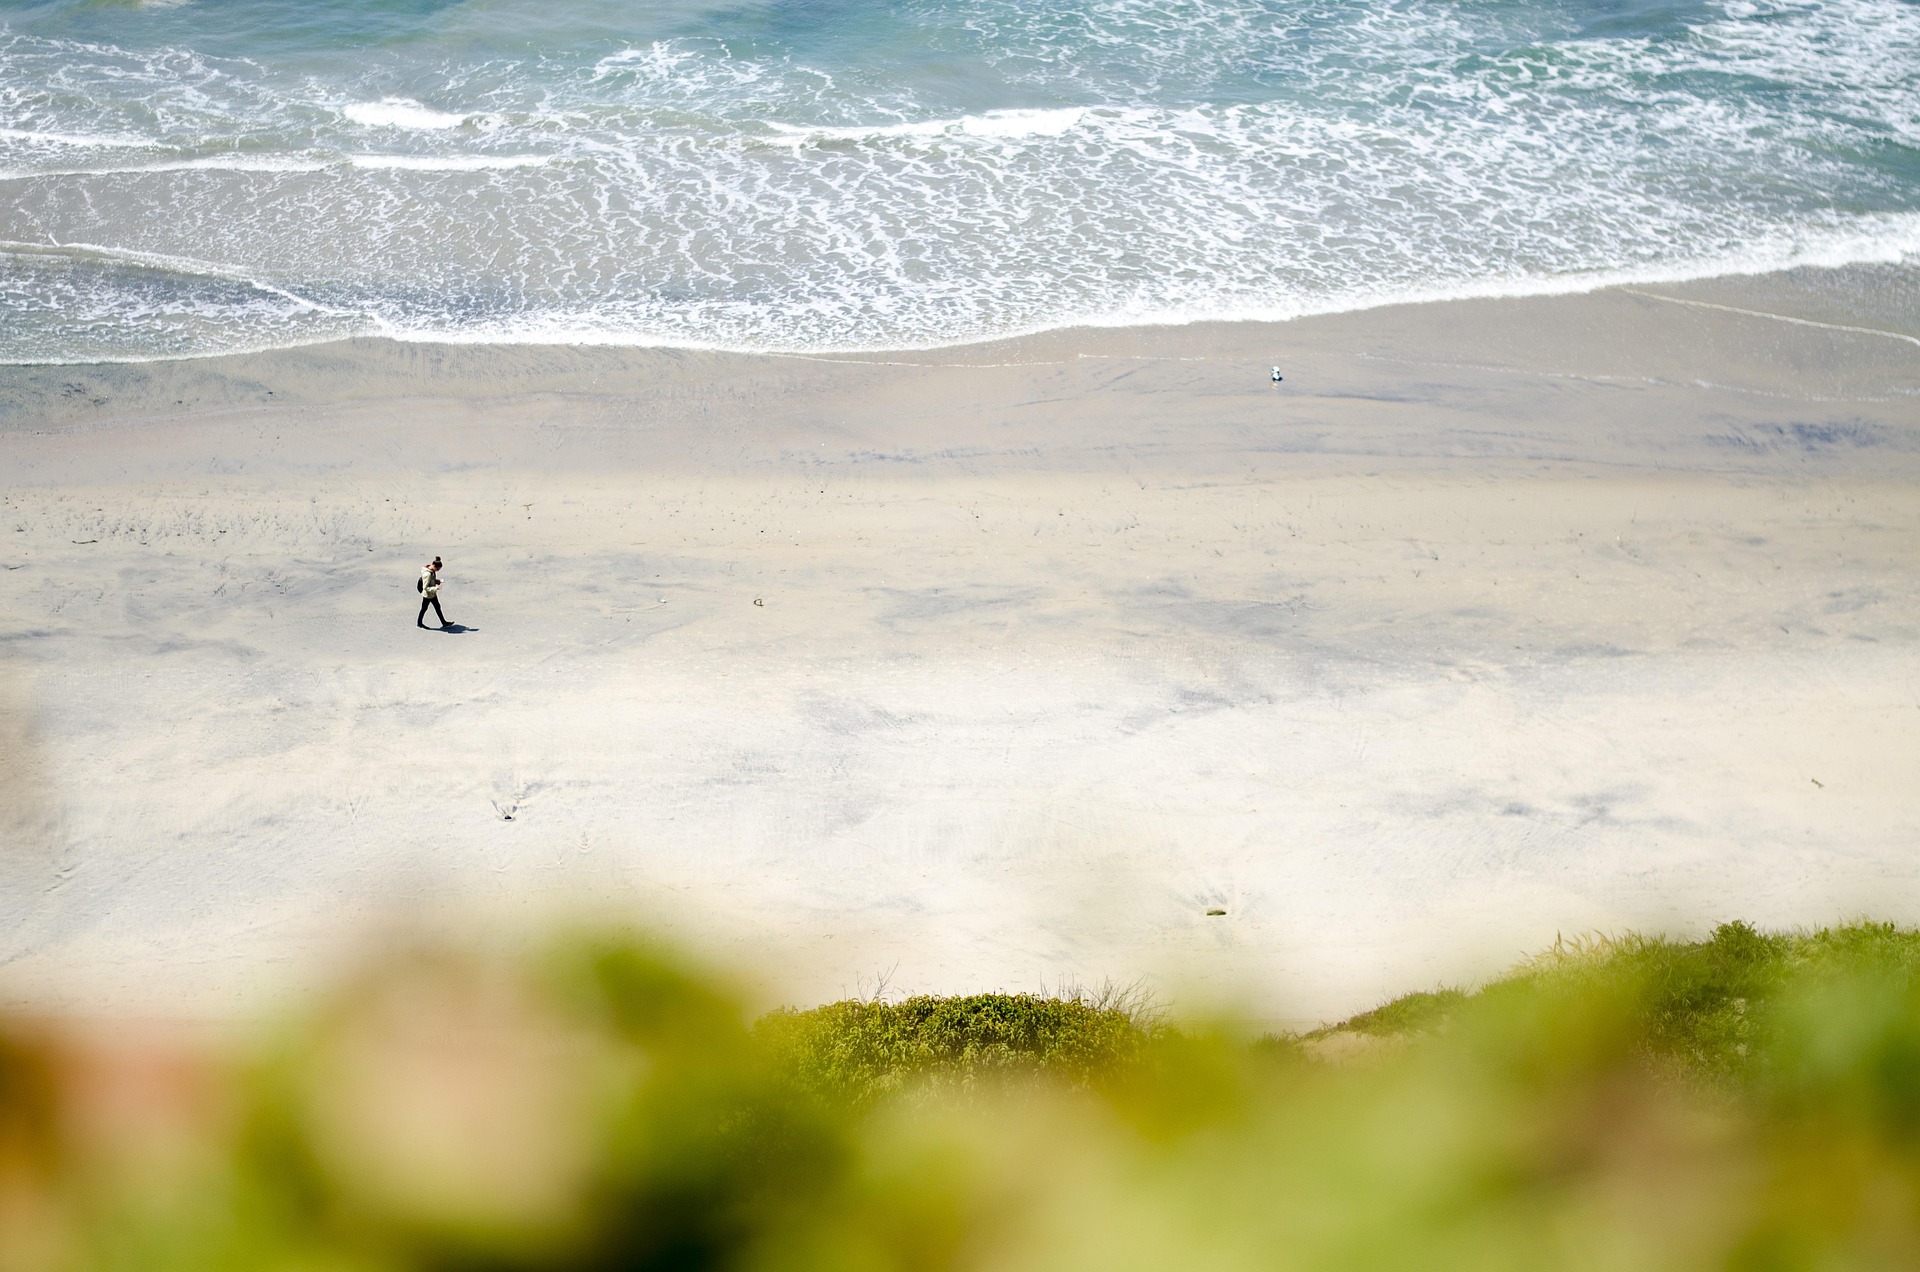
1749,1101
858,1052
1405,1016
1725,1011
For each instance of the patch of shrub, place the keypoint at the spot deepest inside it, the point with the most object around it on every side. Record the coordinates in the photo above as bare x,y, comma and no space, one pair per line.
860,1051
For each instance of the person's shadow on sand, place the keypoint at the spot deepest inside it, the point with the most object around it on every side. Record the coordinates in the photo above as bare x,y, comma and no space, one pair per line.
456,629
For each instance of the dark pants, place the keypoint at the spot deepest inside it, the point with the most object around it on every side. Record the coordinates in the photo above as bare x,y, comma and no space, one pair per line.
435,602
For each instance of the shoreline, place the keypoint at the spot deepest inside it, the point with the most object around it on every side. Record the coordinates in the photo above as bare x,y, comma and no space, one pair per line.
1902,258
1498,618
1815,296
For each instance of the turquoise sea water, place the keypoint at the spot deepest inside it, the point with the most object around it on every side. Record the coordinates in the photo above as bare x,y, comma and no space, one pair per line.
212,175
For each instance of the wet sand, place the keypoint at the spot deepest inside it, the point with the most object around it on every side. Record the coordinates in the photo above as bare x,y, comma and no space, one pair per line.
994,667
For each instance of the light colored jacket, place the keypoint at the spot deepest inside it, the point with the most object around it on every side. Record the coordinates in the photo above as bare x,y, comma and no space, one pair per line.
429,582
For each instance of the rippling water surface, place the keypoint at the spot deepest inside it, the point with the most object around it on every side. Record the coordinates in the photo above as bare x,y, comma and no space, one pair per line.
217,175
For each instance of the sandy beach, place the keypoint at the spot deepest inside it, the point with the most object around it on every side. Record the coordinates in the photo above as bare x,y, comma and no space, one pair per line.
987,667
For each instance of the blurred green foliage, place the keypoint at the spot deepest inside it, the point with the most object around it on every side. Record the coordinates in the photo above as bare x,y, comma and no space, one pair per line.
1748,1101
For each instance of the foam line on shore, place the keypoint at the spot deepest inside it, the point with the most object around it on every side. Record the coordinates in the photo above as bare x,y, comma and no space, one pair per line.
1761,313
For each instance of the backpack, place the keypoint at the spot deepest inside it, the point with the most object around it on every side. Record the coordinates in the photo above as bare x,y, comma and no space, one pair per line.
420,584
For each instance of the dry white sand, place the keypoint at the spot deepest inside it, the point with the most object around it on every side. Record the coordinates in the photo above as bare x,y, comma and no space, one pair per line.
990,667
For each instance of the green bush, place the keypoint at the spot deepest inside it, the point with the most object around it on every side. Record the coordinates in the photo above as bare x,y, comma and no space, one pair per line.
857,1052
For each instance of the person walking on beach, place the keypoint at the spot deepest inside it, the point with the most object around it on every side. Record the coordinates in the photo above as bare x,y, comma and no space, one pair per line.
429,587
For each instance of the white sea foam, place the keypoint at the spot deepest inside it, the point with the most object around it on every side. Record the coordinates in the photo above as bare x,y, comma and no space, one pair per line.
205,163
448,163
1879,241
91,141
604,329
400,112
1002,125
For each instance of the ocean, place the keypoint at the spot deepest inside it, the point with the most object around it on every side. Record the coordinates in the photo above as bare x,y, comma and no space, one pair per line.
207,176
